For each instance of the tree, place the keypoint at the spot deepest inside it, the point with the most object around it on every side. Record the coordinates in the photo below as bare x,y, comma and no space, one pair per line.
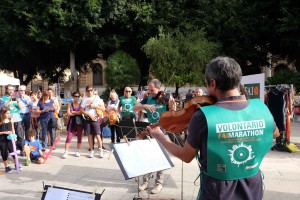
179,58
59,26
122,70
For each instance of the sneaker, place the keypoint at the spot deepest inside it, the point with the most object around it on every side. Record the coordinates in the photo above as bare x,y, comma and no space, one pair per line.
92,154
101,153
27,162
77,154
143,186
157,188
65,155
8,170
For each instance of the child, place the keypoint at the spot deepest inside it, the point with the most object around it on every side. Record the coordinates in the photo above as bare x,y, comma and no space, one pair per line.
6,128
33,149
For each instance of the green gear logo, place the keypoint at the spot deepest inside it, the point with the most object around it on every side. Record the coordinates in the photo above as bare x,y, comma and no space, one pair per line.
240,154
155,115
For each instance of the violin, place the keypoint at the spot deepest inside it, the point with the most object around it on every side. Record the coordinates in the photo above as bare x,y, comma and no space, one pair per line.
178,121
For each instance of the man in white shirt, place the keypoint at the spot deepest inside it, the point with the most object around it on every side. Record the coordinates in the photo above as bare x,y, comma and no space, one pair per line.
92,106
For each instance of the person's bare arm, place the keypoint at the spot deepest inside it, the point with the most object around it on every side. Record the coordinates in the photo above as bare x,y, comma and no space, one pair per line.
137,107
69,112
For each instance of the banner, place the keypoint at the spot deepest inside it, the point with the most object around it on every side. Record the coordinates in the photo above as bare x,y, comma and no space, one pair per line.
254,85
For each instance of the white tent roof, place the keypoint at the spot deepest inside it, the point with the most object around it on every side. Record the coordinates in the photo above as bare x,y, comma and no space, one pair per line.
5,80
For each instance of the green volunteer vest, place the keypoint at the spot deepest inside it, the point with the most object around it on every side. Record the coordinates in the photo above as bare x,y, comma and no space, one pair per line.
237,140
153,117
128,104
13,106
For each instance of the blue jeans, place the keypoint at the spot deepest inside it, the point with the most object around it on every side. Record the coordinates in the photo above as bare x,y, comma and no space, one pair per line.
20,135
46,126
26,121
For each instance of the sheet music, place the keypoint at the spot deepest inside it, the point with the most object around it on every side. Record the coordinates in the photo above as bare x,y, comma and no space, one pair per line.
142,157
63,194
48,108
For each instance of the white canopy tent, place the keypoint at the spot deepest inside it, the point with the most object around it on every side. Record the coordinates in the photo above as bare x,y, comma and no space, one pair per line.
5,80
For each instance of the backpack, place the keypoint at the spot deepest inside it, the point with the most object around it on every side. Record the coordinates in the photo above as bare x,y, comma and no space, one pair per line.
106,133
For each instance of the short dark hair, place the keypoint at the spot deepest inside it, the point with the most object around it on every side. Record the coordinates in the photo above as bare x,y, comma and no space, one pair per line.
88,86
225,71
76,92
31,133
33,93
9,85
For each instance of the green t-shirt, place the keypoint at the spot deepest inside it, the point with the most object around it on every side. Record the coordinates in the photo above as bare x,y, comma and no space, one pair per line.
153,117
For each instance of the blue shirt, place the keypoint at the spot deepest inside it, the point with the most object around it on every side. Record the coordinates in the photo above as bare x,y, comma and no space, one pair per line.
34,146
25,102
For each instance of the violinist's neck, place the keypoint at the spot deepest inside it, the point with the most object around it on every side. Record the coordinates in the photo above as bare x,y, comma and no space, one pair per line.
229,93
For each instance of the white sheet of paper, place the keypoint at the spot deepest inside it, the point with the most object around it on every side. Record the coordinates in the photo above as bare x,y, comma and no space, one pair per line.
141,157
63,194
49,108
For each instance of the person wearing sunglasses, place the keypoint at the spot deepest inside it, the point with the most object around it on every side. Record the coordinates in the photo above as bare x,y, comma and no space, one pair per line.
126,105
89,105
75,124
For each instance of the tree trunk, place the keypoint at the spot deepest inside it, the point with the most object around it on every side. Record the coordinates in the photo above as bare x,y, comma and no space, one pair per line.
72,69
176,90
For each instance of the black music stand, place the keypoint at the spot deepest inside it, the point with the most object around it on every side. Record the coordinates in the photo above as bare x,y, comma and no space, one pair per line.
61,193
127,128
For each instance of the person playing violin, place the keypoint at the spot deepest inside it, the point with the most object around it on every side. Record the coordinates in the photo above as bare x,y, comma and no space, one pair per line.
154,107
229,138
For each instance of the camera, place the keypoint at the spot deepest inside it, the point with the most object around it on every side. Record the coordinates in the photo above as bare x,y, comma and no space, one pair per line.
14,98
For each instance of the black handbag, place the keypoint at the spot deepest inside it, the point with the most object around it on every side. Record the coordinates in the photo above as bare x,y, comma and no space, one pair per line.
60,114
79,120
53,122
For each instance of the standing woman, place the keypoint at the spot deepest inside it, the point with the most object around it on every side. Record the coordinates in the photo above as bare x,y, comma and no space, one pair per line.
46,108
33,112
75,124
113,105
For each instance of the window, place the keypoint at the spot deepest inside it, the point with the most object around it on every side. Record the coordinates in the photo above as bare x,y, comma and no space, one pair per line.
97,74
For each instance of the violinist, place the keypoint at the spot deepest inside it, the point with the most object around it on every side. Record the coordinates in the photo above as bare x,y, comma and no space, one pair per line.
229,151
154,104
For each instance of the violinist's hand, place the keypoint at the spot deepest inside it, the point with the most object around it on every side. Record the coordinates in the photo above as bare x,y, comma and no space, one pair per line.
156,133
172,104
150,107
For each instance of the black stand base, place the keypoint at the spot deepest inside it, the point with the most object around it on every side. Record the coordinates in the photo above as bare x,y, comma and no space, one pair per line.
281,147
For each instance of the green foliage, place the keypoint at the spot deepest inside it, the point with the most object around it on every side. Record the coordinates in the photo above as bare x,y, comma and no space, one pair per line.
122,70
285,77
37,35
183,55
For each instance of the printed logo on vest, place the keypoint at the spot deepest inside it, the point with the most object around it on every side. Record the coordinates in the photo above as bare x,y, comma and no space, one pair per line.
240,154
128,106
155,115
221,168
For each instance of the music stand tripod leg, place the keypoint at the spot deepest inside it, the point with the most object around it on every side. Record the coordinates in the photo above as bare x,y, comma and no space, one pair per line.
138,188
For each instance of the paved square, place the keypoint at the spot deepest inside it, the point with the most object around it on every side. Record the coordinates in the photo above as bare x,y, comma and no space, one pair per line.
281,171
